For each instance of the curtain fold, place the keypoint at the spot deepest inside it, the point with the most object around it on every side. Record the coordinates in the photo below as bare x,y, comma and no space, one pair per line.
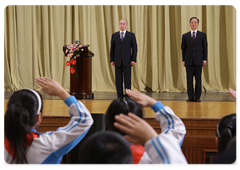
34,36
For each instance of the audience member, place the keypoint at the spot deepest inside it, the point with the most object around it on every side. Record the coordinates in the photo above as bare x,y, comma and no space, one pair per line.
226,139
123,106
23,144
105,147
229,155
226,130
163,148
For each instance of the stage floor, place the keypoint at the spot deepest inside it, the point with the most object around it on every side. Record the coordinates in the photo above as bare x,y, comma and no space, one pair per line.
213,105
162,96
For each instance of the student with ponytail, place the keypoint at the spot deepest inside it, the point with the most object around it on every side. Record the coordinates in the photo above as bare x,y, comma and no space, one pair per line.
23,144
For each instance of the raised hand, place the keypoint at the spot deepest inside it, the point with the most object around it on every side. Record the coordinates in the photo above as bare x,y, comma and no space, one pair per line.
138,130
233,93
51,87
141,98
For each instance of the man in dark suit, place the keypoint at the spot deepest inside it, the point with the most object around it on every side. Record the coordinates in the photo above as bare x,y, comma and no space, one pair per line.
194,57
123,54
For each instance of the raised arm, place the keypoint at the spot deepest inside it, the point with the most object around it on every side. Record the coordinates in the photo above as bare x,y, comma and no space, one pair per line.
162,148
51,87
57,143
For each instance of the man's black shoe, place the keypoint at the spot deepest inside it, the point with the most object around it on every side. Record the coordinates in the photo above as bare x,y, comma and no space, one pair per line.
190,100
198,100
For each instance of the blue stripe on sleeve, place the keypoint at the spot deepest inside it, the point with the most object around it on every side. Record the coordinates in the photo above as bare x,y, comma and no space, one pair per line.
85,114
56,157
170,118
180,144
80,113
166,119
157,106
163,150
158,151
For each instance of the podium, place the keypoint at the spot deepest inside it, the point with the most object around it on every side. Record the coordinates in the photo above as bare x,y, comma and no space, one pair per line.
81,87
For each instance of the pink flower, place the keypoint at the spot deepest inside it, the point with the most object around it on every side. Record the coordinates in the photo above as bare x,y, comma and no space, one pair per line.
66,51
72,49
82,49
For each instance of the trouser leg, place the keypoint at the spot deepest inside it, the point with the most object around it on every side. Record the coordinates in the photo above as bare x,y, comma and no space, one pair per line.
127,78
198,79
119,81
190,74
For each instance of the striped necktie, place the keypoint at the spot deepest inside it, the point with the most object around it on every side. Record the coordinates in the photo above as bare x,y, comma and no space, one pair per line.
193,36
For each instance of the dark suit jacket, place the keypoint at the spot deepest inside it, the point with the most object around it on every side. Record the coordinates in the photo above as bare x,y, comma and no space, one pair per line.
123,52
194,51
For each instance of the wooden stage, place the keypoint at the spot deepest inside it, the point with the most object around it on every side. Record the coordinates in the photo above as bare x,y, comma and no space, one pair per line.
200,120
194,110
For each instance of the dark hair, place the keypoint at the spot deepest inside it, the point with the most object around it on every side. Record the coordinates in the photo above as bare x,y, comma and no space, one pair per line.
228,156
226,130
193,18
121,106
105,147
20,117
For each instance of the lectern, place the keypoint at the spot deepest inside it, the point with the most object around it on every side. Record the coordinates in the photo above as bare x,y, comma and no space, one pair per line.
81,87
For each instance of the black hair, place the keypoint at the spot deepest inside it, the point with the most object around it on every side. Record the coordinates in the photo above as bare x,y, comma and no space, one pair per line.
226,130
121,106
228,156
193,18
105,147
20,117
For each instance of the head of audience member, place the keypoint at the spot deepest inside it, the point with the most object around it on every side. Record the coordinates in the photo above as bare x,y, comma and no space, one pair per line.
121,106
229,155
105,147
24,112
226,130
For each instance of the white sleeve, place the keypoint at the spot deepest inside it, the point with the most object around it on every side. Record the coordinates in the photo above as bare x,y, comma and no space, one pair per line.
166,147
53,145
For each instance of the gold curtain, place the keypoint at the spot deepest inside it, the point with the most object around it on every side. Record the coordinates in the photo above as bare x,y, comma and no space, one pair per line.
34,36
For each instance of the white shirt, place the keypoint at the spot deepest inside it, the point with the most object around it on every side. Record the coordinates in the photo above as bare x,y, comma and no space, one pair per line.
124,33
195,33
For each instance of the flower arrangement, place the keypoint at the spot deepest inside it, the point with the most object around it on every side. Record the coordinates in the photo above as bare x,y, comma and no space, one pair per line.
73,51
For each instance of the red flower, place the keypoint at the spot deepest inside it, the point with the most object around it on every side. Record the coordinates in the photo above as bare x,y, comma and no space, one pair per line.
73,61
72,70
67,63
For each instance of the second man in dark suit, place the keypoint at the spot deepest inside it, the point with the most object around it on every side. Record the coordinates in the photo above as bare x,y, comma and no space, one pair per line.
123,54
194,57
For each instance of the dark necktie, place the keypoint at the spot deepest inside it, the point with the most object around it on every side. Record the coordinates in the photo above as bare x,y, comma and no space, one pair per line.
193,36
122,36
